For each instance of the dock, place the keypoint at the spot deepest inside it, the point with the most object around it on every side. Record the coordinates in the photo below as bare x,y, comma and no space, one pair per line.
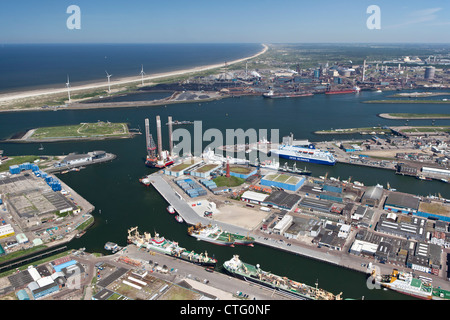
192,218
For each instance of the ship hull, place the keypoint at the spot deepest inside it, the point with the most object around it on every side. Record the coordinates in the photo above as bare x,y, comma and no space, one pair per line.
309,160
179,256
412,294
217,242
341,92
265,284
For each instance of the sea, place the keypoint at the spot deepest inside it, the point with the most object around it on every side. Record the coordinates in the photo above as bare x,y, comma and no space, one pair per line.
122,202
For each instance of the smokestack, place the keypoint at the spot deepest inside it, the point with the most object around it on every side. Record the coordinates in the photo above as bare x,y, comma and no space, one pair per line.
170,137
158,132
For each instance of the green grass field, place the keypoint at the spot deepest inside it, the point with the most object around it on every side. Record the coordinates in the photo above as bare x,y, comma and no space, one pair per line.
98,129
231,181
17,160
420,115
242,170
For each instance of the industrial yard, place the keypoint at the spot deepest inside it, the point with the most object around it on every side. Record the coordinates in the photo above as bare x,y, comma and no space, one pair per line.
38,211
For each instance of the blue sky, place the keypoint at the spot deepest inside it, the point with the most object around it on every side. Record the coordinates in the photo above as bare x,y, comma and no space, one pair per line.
211,21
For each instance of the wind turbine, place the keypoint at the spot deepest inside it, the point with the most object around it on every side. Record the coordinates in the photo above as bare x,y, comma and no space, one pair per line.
142,73
68,86
108,76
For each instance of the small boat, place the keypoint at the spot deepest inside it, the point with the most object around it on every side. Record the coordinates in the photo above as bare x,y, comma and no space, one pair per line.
179,218
170,209
41,147
145,181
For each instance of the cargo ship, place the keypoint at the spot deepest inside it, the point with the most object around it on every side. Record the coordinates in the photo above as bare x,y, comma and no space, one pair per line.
272,95
275,165
309,154
248,272
167,247
406,283
214,234
354,90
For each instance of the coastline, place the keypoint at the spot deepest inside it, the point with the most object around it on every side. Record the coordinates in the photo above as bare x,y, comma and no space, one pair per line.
8,97
406,117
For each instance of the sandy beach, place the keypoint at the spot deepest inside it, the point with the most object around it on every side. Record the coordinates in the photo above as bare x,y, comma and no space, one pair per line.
8,97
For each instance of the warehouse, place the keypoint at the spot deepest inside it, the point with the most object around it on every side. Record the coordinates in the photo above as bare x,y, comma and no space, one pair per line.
283,225
283,181
253,197
372,196
282,200
438,171
315,204
73,159
364,248
399,202
415,229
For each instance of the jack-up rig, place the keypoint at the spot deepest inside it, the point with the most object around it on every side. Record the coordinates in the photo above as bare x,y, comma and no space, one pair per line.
156,157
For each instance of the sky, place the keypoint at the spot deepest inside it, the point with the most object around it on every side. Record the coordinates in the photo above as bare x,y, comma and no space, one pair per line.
230,21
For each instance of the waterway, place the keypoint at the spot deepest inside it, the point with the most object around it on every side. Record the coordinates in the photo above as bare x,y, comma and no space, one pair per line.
122,202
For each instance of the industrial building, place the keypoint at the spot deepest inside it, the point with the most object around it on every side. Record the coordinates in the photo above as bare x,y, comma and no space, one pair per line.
180,169
426,258
283,181
283,224
372,196
434,210
254,197
331,236
242,172
415,228
316,204
383,248
429,73
203,171
400,202
282,200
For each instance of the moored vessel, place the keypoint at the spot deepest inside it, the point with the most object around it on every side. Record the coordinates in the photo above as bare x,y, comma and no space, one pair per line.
248,272
309,154
214,234
170,209
405,283
273,95
171,248
145,181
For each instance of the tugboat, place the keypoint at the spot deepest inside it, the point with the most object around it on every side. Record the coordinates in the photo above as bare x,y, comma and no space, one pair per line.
179,218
